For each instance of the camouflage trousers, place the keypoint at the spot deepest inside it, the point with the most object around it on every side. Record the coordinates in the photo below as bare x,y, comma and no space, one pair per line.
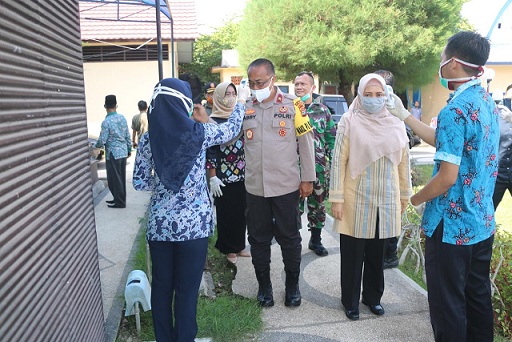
315,203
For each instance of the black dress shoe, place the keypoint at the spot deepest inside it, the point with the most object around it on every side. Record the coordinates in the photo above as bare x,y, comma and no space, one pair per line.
352,314
111,202
391,262
318,248
116,206
376,309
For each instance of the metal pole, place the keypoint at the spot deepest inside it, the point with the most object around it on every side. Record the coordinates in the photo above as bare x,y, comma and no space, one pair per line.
159,42
172,46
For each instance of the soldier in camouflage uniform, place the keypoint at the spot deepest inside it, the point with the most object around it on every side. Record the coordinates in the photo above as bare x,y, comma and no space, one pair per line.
325,136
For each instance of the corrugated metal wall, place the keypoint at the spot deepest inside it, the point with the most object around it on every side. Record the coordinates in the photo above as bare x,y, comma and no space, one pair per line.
49,277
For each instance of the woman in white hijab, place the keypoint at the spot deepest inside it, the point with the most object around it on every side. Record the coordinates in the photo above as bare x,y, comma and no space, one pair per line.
369,190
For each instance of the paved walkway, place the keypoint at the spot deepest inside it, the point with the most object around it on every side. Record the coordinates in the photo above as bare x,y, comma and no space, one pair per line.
319,318
117,230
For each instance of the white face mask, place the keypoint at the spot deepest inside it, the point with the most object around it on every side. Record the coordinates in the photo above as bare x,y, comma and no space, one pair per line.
187,103
261,94
448,82
373,104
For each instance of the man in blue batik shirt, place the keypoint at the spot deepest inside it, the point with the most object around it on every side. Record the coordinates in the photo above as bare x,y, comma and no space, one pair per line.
459,214
116,139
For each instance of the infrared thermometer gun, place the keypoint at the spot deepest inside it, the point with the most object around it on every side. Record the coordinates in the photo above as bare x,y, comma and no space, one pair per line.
243,83
389,96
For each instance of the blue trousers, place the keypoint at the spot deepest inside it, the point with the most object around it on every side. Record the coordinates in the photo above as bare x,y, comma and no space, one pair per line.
177,271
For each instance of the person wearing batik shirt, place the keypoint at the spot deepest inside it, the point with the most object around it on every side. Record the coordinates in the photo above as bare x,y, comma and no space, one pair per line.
170,163
458,220
115,137
226,165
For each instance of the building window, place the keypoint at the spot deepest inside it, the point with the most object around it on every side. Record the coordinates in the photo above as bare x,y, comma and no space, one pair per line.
111,53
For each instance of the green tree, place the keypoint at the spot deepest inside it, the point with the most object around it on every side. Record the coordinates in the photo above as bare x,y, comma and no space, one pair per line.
208,52
342,40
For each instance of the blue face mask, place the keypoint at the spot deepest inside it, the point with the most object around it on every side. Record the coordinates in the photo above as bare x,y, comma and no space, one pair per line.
373,104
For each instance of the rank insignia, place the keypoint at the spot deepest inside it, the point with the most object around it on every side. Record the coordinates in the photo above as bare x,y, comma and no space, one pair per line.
249,134
282,131
282,123
279,98
283,109
250,111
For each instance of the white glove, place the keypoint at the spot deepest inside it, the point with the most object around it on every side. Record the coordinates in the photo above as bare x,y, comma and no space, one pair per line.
397,108
243,92
215,184
420,208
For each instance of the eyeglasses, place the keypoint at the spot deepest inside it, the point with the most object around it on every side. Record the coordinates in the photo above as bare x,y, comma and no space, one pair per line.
259,84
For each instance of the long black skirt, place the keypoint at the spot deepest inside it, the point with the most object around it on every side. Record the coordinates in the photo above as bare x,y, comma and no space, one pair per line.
231,226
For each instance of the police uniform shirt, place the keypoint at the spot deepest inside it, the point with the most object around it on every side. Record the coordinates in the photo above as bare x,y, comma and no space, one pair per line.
271,136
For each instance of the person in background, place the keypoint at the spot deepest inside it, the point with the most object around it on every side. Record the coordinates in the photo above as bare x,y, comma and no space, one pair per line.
226,165
170,162
208,94
458,220
504,178
391,246
115,137
139,123
508,92
325,134
277,135
416,110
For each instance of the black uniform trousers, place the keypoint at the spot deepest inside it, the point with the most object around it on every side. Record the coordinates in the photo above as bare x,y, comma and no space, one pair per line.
116,178
177,269
357,252
269,217
459,289
499,190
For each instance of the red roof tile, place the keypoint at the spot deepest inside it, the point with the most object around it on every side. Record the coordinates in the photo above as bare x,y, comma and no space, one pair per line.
99,21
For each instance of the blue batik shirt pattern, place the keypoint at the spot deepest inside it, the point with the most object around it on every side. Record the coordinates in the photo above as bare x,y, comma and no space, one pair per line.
115,136
187,214
467,135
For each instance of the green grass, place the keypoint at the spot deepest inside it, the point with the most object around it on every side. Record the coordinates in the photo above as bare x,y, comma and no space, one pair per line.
504,213
226,318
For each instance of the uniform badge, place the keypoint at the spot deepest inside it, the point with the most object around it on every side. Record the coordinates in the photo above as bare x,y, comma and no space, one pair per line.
249,134
282,131
282,123
279,98
250,111
283,109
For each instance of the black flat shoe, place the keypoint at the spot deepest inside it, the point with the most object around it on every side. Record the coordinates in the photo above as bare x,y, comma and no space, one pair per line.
376,309
353,314
111,202
116,206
